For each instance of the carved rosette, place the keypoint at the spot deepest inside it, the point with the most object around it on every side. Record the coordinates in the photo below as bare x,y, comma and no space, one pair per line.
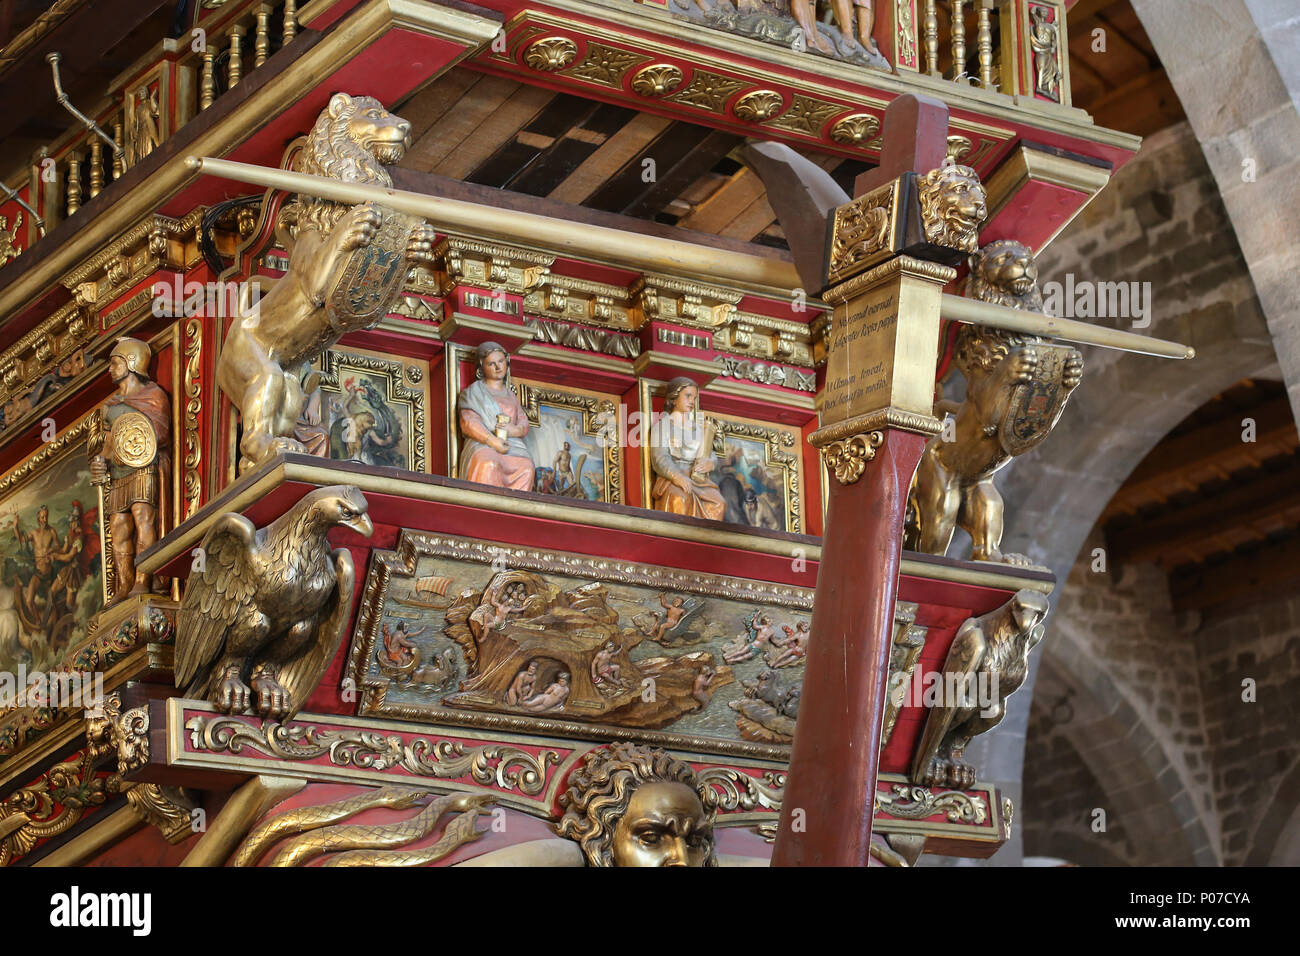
658,79
550,54
856,129
758,105
847,459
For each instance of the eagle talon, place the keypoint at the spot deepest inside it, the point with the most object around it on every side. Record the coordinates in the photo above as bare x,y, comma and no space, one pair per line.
233,694
272,699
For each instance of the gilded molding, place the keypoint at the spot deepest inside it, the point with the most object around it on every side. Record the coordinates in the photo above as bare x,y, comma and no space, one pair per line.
806,115
507,767
491,265
584,337
605,65
50,805
884,418
856,129
708,91
934,271
193,483
773,374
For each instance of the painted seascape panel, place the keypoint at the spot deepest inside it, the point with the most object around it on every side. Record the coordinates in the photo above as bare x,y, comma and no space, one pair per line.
51,581
560,640
573,442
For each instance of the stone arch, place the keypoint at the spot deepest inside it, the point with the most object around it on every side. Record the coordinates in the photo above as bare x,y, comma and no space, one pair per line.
1234,67
1276,841
1143,788
1160,221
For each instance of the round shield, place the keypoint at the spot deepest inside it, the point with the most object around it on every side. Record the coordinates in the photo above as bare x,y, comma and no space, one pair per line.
134,443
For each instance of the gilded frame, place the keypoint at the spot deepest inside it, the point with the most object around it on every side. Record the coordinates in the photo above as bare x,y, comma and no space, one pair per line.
407,381
402,562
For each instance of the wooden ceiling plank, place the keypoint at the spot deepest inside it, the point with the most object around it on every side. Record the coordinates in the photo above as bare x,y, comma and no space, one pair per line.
432,103
1261,574
503,122
616,152
459,122
1249,507
714,213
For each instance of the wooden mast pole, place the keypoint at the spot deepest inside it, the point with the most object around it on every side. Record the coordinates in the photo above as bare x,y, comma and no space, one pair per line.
876,369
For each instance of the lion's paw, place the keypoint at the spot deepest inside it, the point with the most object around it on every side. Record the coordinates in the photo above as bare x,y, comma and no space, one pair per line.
361,225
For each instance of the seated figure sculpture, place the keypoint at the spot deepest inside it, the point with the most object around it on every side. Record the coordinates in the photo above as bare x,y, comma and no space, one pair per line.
679,454
494,425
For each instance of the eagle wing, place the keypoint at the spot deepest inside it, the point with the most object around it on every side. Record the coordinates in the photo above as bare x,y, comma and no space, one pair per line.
299,677
215,598
964,657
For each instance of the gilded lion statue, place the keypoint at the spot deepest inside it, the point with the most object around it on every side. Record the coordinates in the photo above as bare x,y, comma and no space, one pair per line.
953,206
347,265
1016,389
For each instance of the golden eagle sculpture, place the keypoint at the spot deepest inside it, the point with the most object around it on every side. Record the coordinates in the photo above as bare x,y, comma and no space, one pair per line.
265,615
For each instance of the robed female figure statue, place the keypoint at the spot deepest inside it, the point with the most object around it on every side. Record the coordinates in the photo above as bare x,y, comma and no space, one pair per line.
681,455
494,425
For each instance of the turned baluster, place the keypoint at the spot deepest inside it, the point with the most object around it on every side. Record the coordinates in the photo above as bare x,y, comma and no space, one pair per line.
208,82
290,20
932,37
986,44
96,167
119,158
958,39
262,43
235,68
74,183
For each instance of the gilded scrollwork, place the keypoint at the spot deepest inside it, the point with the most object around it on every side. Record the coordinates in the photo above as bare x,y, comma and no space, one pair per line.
193,406
510,768
50,805
766,374
847,459
918,803
737,791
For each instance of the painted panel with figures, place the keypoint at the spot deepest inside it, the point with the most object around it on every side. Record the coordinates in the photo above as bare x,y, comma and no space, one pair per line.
453,628
370,408
51,574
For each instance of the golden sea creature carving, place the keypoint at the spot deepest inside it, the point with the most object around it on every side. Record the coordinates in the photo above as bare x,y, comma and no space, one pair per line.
550,54
863,232
847,459
989,656
1016,390
855,129
264,617
347,266
658,79
953,206
758,105
630,805
311,832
